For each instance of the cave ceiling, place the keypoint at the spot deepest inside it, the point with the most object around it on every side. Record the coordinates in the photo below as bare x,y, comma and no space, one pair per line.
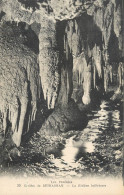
30,11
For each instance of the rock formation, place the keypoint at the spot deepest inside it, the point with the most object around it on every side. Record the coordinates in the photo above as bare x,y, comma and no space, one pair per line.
56,53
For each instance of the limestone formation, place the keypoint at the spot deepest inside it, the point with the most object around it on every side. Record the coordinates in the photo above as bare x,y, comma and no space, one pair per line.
53,51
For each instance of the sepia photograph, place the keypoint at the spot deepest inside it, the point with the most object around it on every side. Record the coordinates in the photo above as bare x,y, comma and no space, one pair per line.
61,97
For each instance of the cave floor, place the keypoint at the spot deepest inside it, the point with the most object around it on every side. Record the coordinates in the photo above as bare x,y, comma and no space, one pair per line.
94,151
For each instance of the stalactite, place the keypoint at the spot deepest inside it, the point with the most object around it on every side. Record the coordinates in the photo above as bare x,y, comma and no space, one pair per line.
120,74
111,73
105,79
84,73
117,20
68,64
17,134
108,75
4,120
103,18
63,95
97,60
73,37
78,67
48,62
14,120
87,84
94,76
66,68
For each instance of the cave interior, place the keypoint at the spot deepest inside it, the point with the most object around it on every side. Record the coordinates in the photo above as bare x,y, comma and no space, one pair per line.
58,59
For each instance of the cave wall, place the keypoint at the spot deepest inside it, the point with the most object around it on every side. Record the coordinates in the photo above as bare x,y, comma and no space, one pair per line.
20,81
76,51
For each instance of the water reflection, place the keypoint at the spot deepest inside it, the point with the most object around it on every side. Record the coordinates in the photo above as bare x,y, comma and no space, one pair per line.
90,147
70,151
97,149
90,142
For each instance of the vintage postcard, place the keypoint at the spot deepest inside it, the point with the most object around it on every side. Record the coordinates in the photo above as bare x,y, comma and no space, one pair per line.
61,97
